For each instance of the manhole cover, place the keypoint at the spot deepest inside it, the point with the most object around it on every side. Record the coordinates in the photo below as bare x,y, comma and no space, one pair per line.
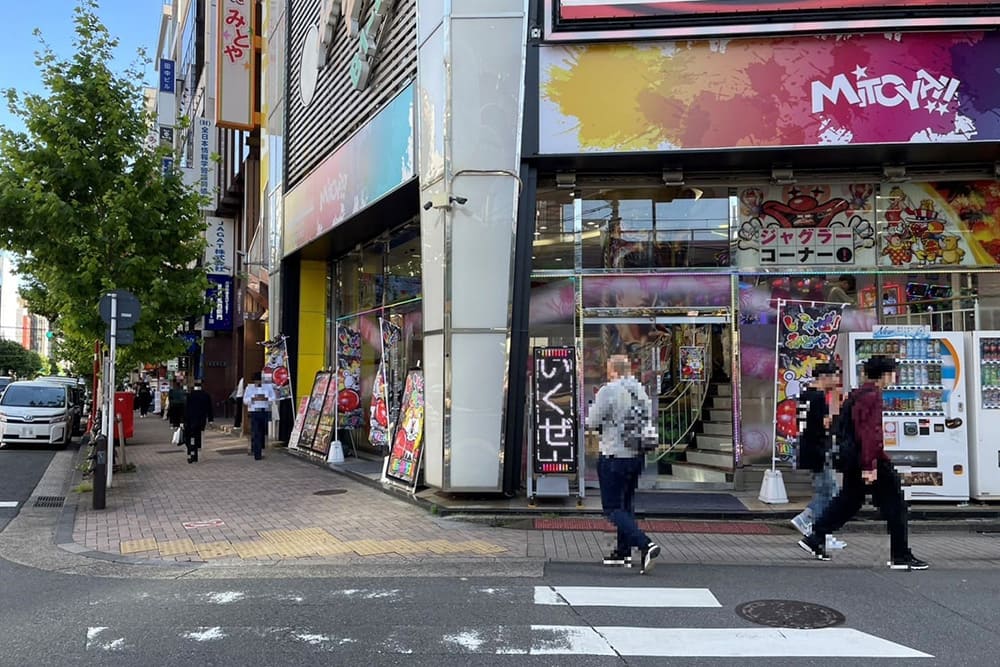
231,450
789,614
330,492
50,501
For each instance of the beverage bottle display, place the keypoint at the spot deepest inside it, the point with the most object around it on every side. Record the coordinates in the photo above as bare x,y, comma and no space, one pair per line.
924,378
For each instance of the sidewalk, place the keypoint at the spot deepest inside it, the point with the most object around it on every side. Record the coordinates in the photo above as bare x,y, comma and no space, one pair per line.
228,508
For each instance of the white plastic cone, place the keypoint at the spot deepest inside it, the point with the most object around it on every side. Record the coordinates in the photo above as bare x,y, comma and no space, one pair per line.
772,488
336,454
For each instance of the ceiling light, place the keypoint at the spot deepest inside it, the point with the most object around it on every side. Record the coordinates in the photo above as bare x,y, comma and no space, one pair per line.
673,177
566,180
894,173
782,176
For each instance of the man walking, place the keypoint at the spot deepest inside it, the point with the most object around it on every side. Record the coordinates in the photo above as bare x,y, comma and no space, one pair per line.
872,468
818,404
197,414
620,464
258,398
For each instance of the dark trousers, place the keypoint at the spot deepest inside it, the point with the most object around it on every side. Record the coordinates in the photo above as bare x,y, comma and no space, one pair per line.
238,419
258,431
619,478
887,495
192,438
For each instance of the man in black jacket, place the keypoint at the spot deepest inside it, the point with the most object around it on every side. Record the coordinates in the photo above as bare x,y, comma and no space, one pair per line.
817,407
197,413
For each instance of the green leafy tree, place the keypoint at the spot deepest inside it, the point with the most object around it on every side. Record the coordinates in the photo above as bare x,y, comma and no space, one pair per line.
86,207
18,362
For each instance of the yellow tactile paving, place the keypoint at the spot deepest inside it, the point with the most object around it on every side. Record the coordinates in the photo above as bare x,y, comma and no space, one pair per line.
483,547
137,546
443,546
176,547
406,547
369,547
219,549
254,549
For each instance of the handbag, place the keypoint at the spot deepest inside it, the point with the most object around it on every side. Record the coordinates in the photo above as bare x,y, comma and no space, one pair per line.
178,436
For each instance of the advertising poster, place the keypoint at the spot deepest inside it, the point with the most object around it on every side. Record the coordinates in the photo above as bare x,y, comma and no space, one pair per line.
300,418
276,368
393,356
554,418
350,414
925,225
407,442
807,336
692,363
324,428
806,226
317,397
378,414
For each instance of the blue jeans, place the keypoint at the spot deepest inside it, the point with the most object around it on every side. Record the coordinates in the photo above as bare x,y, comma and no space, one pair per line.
824,489
258,431
619,478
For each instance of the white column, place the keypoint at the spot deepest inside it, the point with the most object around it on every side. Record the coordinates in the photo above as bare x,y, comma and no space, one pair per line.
469,107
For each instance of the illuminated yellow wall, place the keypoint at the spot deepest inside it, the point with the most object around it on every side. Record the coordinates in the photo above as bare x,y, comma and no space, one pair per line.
312,324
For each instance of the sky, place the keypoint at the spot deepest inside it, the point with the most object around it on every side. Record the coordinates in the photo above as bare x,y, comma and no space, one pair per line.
136,23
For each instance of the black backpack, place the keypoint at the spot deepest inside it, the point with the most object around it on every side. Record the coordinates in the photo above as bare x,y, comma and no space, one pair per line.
846,447
634,423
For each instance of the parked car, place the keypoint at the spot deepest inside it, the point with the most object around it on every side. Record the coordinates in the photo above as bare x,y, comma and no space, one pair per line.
4,381
35,412
77,397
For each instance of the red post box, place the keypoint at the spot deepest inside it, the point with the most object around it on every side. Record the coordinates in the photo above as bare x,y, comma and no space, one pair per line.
125,410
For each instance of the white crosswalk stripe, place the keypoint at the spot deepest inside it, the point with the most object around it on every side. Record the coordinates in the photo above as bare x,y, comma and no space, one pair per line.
8,503
608,596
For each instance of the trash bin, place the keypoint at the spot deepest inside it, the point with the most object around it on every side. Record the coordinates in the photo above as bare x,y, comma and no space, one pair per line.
125,408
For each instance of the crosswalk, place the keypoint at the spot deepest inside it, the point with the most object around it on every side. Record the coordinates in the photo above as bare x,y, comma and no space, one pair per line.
574,630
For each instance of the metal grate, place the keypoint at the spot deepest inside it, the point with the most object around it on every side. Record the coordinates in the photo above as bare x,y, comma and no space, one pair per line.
790,614
330,492
231,450
176,450
50,501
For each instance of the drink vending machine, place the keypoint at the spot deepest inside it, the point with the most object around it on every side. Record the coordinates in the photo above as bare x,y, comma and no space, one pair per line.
984,415
924,423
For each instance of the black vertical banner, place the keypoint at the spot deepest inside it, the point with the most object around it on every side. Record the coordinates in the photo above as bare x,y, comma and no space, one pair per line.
554,419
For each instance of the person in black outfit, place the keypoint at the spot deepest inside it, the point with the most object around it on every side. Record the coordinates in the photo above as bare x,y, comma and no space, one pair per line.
197,413
144,398
872,473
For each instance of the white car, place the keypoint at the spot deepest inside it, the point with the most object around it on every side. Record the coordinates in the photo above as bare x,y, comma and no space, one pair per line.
36,413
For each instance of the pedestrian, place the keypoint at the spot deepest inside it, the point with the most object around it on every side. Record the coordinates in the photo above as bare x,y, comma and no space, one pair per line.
860,438
818,405
175,406
258,398
237,398
145,399
197,414
620,462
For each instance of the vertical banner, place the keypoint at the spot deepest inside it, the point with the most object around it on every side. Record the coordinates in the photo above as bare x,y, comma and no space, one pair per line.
166,76
220,298
807,336
554,418
220,249
276,367
205,145
407,443
348,391
300,419
692,360
387,389
236,65
317,398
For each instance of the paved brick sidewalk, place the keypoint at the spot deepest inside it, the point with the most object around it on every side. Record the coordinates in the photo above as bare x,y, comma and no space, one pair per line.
269,511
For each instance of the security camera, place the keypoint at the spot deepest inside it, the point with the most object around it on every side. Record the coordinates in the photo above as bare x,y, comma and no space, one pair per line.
428,205
459,200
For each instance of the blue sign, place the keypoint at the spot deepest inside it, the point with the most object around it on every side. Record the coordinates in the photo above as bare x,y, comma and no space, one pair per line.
220,297
166,75
168,166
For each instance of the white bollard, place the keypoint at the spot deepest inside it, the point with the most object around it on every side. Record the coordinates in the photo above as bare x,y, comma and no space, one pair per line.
772,488
336,454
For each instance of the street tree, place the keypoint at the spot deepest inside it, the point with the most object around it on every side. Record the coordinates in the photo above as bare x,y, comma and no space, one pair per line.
19,362
87,206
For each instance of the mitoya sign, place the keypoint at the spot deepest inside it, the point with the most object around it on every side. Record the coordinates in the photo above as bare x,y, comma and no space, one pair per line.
796,91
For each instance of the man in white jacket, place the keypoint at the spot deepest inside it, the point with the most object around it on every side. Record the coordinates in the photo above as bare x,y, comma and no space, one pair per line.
612,415
258,399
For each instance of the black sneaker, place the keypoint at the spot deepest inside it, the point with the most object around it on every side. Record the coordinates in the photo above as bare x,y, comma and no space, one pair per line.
813,549
908,562
617,559
651,551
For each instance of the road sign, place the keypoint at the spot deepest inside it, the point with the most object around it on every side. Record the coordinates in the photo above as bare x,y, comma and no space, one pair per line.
128,309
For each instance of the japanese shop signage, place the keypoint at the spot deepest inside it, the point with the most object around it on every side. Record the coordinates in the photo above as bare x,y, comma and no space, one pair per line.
806,225
219,252
554,421
220,299
234,95
204,165
166,76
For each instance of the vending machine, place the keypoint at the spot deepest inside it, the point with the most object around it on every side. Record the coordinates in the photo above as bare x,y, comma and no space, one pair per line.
924,422
984,415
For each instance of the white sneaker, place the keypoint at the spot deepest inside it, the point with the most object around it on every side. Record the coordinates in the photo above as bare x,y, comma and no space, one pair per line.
802,524
833,543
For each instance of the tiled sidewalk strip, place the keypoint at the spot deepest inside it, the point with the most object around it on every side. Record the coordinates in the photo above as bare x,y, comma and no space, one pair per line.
659,526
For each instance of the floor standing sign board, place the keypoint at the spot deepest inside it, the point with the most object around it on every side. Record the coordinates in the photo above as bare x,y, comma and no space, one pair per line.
402,466
555,451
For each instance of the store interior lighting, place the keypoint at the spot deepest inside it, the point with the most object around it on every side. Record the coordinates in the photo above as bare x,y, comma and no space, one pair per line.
782,176
894,173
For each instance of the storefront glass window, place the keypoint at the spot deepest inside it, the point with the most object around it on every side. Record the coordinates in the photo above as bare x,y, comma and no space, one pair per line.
554,229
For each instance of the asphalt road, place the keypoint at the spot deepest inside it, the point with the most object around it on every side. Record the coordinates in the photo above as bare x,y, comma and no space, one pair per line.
56,619
20,470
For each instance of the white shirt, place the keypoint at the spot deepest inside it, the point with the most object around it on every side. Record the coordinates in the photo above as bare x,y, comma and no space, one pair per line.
259,398
607,414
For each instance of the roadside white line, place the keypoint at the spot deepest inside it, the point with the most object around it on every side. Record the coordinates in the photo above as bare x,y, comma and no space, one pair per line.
717,642
9,503
600,596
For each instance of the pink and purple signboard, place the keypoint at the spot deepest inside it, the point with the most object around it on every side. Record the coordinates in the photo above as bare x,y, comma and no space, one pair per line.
371,164
797,91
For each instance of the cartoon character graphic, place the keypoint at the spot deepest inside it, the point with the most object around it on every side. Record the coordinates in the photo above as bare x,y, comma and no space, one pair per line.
899,250
930,250
792,385
950,252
